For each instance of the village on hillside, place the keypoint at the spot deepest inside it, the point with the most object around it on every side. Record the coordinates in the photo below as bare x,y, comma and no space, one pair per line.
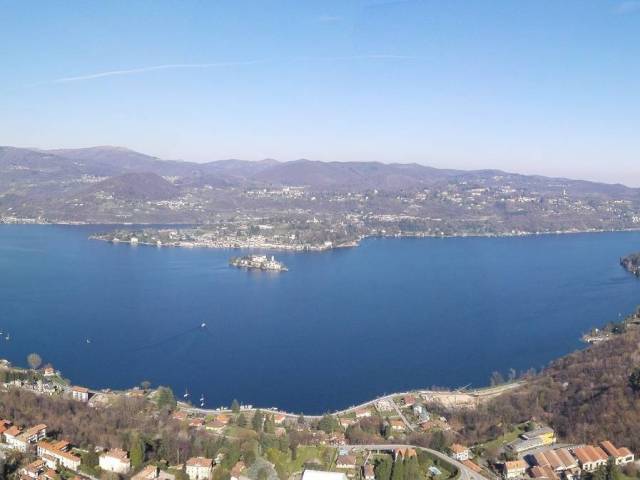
403,436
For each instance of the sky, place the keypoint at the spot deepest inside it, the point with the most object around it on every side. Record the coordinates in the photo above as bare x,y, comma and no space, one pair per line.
532,86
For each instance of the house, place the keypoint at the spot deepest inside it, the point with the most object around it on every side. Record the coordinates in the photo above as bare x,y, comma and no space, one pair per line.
397,425
543,473
279,419
621,455
408,400
319,475
368,472
4,426
115,460
363,413
590,457
199,468
20,440
346,422
80,394
404,453
57,453
196,422
514,469
545,434
215,426
179,415
459,452
49,371
347,462
149,472
34,469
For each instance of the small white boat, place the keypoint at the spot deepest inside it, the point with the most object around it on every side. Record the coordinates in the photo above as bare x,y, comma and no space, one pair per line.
203,325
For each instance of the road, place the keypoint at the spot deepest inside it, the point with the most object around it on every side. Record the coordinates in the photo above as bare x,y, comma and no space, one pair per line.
465,472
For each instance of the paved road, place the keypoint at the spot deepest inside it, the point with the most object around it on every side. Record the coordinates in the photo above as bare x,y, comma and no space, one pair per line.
465,473
480,393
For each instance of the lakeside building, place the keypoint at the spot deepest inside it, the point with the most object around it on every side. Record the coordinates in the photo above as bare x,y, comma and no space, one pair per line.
80,394
115,460
459,452
58,453
199,468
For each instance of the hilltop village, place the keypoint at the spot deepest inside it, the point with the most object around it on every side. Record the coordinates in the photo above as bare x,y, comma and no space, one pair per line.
51,429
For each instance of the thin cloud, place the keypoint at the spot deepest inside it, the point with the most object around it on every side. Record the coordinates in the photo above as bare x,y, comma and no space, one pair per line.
329,18
153,68
630,6
371,56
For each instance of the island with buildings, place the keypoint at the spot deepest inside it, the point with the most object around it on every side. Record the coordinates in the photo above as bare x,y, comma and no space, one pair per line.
258,262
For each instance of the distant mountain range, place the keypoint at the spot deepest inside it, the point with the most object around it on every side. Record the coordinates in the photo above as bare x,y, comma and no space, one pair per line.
78,184
22,164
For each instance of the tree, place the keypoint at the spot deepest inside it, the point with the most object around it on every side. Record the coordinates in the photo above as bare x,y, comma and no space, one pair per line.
136,453
411,468
235,406
34,360
382,469
257,420
263,474
398,469
242,420
328,424
145,384
165,398
634,380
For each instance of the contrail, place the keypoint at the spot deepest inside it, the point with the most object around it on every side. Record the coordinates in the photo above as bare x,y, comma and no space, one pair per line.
153,68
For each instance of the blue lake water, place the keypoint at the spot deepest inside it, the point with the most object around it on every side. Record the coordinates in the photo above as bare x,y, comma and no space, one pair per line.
339,328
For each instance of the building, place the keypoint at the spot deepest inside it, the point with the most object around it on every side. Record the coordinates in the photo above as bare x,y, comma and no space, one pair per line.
346,462
397,425
590,457
34,469
149,472
319,475
22,441
521,446
459,452
621,455
199,468
558,461
514,469
80,394
545,434
363,413
57,453
368,472
115,460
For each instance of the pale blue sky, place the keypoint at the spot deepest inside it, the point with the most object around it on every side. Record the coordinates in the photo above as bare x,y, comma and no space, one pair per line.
549,87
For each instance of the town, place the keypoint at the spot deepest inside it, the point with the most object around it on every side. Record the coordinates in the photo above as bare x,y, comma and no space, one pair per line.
404,436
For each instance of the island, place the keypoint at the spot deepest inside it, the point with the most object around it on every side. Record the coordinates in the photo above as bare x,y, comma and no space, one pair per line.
631,263
258,262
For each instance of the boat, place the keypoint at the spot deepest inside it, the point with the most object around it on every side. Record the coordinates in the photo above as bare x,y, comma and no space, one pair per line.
186,394
203,325
202,400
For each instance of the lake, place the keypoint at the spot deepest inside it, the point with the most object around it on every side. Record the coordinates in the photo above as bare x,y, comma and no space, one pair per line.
339,328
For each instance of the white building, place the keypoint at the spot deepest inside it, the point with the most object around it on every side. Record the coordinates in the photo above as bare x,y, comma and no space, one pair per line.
20,440
115,460
80,393
199,468
459,452
58,453
318,475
